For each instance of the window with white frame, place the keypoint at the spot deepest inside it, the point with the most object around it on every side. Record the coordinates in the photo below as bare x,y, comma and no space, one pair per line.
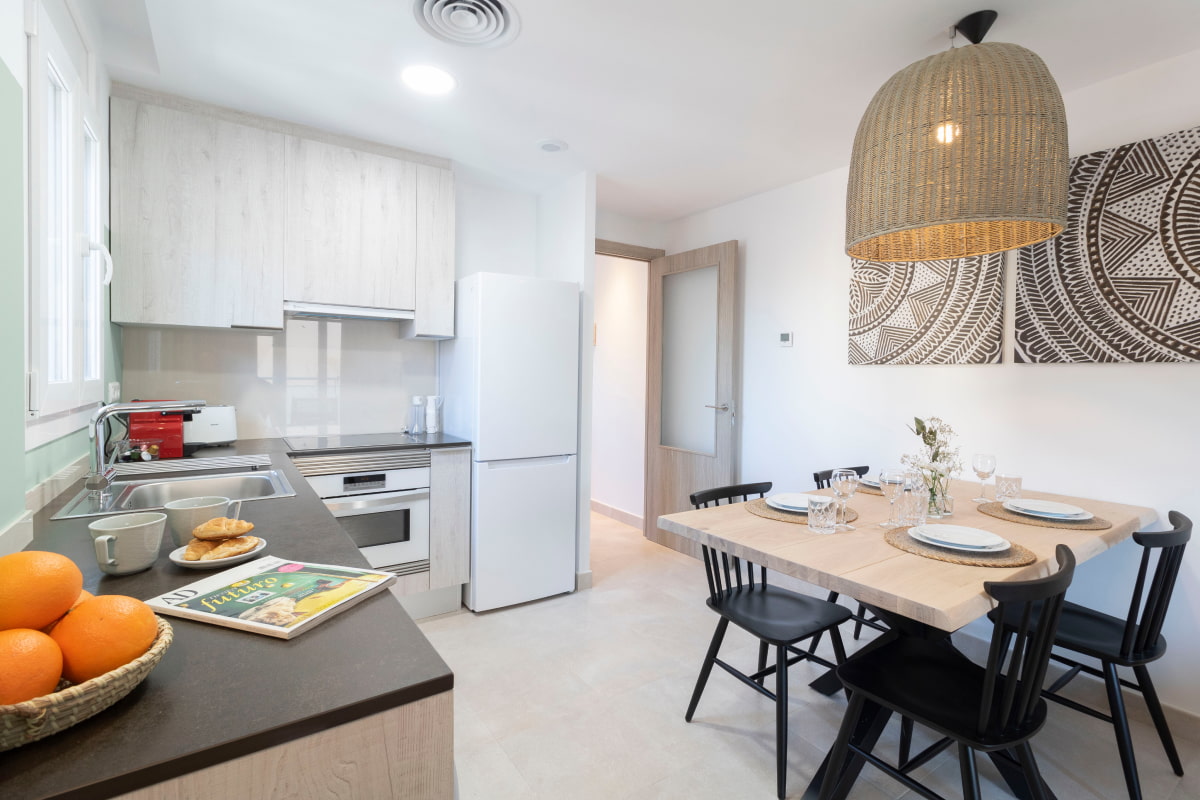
67,265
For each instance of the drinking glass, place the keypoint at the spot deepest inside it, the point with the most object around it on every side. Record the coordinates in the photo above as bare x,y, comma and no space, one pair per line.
844,483
1008,487
822,514
891,483
914,503
984,465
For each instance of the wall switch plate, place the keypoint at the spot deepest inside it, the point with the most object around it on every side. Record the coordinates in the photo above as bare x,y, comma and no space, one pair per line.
785,339
114,392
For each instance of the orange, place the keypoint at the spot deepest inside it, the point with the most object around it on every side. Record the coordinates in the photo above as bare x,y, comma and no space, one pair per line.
30,665
103,633
36,588
83,595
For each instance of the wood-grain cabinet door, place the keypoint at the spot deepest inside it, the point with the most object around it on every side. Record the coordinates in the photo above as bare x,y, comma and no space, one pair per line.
251,180
435,254
164,217
196,219
351,227
449,517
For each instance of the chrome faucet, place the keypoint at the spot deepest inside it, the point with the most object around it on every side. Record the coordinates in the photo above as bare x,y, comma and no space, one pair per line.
102,473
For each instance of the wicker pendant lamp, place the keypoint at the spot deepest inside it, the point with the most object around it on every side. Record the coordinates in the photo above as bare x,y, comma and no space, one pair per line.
962,153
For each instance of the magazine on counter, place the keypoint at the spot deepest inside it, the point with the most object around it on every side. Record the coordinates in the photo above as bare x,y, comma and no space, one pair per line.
272,595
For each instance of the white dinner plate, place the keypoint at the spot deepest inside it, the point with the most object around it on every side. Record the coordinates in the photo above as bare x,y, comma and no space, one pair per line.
872,482
959,537
1047,509
176,556
998,548
795,502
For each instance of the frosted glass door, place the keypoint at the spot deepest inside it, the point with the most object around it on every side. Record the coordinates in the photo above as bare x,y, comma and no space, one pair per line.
689,360
690,367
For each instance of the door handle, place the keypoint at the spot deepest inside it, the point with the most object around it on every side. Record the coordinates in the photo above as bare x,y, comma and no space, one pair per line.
722,407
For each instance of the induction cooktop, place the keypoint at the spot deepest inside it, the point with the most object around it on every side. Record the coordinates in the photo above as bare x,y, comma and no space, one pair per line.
301,444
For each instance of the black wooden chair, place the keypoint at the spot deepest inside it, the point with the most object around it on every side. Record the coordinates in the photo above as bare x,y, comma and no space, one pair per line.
1131,642
780,618
861,616
995,708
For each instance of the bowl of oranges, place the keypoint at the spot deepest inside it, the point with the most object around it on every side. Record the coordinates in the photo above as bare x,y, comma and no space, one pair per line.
65,654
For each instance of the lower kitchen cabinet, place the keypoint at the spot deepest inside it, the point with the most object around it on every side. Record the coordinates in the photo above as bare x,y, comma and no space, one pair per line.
407,751
449,517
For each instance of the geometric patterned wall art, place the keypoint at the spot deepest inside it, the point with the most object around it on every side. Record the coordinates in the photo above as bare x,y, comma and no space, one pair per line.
1122,282
927,312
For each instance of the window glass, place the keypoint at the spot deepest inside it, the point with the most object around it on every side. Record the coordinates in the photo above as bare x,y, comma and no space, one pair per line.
57,228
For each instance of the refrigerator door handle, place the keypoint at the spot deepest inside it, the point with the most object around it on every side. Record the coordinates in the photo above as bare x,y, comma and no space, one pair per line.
517,463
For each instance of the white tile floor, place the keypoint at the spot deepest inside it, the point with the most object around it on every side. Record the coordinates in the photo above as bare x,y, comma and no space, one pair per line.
583,696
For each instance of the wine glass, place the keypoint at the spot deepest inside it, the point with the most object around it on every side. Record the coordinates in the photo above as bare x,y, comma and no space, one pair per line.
891,483
984,465
844,483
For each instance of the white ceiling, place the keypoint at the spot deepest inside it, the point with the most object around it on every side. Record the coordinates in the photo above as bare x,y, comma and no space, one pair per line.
676,105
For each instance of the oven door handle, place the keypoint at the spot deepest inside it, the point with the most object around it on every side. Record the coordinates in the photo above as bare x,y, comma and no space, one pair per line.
393,501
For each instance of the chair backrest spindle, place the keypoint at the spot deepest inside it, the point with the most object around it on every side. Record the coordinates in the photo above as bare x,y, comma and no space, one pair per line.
823,477
717,566
1012,690
1149,604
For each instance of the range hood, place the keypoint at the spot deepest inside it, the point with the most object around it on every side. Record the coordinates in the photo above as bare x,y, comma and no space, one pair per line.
294,308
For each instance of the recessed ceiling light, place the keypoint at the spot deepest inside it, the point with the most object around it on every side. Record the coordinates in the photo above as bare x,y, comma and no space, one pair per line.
428,79
552,145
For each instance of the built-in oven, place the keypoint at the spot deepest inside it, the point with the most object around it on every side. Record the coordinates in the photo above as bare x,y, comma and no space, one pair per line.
381,499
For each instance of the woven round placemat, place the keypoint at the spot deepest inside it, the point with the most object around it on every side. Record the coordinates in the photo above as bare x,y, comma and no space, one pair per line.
862,487
1015,556
998,511
760,508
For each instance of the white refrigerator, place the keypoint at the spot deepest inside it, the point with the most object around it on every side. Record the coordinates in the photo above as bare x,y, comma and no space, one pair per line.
511,382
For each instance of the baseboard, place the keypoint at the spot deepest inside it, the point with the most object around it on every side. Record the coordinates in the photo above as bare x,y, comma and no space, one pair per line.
1090,690
18,535
583,580
40,496
615,513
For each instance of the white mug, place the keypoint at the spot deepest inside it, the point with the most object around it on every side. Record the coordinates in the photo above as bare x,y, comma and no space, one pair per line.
127,543
185,515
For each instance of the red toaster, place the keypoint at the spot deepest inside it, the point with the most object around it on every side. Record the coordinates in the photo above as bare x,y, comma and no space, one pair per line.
165,426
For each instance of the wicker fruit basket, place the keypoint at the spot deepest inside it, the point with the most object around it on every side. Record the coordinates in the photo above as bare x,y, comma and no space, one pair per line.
22,723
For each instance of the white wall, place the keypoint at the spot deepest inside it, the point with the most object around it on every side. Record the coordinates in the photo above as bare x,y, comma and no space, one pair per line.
496,227
12,39
614,227
1124,432
619,385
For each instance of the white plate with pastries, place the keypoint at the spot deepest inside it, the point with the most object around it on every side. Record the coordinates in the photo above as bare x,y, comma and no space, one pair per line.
176,557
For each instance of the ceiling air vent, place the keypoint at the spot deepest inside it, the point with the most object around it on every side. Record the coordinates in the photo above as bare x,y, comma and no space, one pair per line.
469,23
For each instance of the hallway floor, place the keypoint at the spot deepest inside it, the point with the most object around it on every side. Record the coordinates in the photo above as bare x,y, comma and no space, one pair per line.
583,695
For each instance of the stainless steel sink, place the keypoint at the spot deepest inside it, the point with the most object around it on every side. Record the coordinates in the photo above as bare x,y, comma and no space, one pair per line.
152,493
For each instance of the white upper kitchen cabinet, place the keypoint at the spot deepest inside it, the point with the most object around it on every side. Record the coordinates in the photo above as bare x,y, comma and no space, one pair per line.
435,255
352,227
219,217
197,235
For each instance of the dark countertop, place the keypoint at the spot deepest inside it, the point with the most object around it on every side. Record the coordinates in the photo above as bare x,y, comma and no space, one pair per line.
220,693
363,443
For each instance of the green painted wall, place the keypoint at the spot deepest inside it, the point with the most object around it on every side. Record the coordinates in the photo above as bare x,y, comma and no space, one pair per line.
49,459
12,277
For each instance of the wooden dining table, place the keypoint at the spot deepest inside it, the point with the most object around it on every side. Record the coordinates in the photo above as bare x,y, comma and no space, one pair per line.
915,595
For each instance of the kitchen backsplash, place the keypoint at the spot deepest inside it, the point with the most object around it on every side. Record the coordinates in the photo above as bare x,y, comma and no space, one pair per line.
317,376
